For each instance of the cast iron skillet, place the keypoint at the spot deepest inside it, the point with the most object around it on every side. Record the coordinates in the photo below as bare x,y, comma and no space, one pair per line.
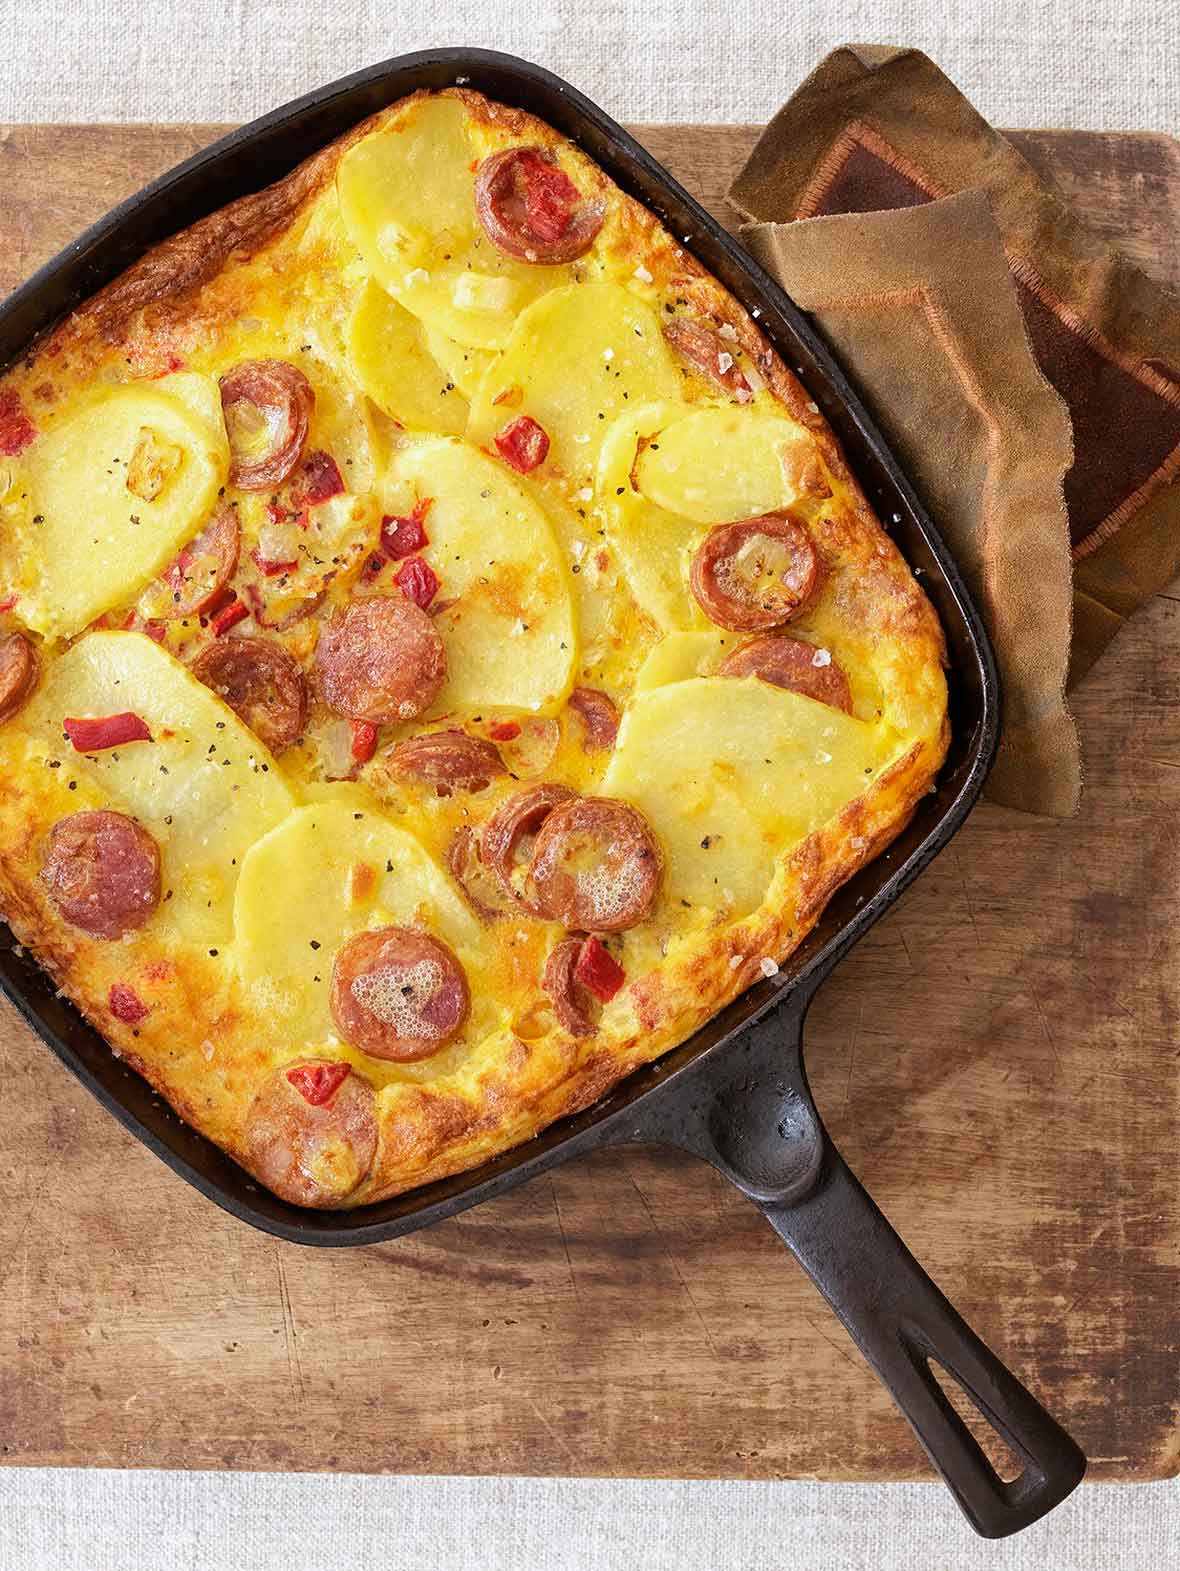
736,1094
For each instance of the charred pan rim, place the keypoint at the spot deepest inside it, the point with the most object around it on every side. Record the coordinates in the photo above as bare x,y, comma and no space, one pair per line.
262,154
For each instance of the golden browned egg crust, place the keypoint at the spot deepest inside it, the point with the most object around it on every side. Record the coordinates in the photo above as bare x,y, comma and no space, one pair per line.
390,570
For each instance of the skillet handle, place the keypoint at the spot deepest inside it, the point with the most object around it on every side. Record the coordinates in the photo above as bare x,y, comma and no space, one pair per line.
748,1110
902,1322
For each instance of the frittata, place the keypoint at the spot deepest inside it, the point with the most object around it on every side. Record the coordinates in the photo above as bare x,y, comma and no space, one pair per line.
444,656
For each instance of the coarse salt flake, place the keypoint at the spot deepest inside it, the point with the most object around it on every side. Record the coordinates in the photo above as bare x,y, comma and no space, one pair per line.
642,274
823,758
767,966
417,275
724,362
728,330
735,961
822,657
608,354
586,494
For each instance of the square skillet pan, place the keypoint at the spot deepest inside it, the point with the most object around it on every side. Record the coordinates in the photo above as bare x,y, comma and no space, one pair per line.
736,1093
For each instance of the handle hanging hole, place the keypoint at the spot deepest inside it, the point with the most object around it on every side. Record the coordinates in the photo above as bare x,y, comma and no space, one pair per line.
1007,1465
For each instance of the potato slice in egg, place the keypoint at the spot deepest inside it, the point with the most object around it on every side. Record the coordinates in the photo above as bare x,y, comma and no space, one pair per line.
508,620
389,356
204,786
329,870
575,361
407,200
116,487
720,464
732,773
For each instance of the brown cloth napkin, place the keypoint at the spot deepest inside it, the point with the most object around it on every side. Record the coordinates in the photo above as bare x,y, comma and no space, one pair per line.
874,129
920,309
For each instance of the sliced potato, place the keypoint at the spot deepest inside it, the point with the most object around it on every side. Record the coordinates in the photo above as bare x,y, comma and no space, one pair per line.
732,773
389,357
654,546
679,656
327,871
510,636
407,200
575,361
464,365
717,465
205,786
93,539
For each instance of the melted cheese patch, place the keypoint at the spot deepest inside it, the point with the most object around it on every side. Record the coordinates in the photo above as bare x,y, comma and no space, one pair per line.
329,870
575,361
510,635
406,197
115,488
731,774
205,786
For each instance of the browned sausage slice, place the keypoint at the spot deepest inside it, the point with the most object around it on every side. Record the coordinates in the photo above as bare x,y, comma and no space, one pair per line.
530,208
753,575
705,349
18,673
261,683
571,1002
202,570
595,866
398,993
474,877
598,715
381,660
311,1132
517,819
102,872
448,760
267,405
794,664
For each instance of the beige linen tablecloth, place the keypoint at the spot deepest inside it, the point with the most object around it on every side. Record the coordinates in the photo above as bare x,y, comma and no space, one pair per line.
1066,64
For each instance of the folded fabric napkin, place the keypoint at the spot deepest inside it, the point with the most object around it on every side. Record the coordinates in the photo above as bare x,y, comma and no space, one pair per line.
982,326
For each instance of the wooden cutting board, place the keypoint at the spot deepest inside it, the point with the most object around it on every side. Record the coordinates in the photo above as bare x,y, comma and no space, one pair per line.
1000,1061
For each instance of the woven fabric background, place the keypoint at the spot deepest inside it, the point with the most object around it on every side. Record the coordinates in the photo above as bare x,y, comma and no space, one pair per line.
1021,62
1037,62
115,1521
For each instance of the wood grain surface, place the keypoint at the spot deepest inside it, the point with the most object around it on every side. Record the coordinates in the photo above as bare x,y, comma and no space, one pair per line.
1000,1061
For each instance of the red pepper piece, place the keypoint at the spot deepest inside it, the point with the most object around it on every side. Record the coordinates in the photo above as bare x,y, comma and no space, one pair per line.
16,429
372,567
523,443
93,735
270,569
504,731
403,536
550,197
321,479
229,616
8,603
418,581
364,741
598,971
318,1083
126,1004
